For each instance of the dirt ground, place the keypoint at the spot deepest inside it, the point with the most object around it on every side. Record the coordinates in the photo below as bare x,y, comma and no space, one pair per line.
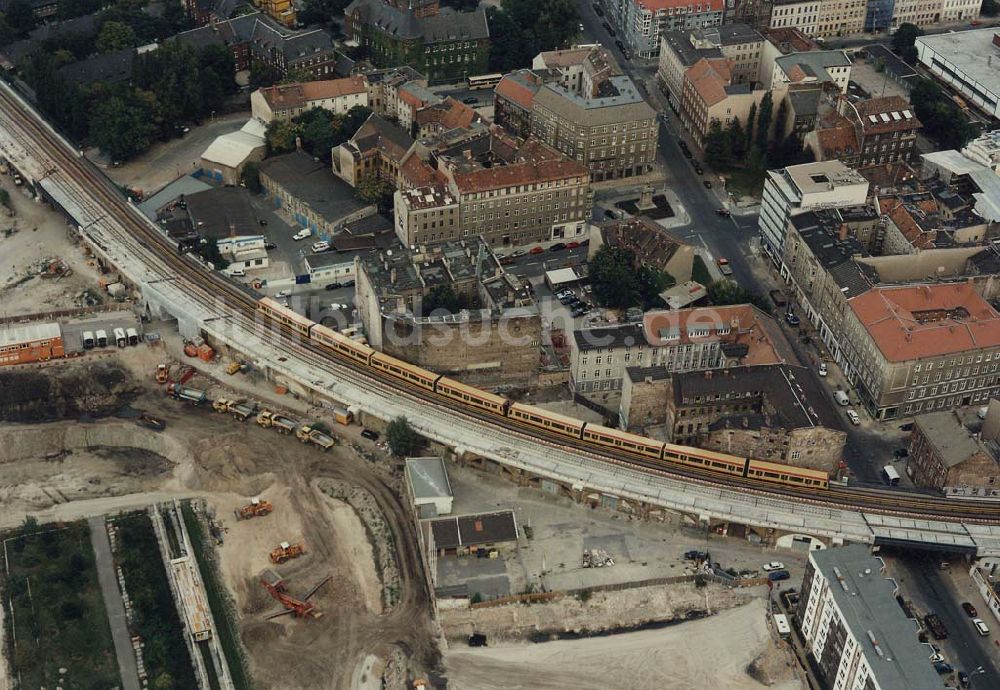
683,657
41,234
56,466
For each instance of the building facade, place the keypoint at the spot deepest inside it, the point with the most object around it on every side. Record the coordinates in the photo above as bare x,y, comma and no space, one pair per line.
947,455
285,101
922,348
798,188
796,14
680,50
854,630
878,131
841,17
642,22
31,343
710,95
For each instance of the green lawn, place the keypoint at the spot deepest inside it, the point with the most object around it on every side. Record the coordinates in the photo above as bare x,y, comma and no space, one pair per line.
168,663
59,619
743,182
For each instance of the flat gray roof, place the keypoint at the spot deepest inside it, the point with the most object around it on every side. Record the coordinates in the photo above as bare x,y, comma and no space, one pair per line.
970,51
867,602
428,478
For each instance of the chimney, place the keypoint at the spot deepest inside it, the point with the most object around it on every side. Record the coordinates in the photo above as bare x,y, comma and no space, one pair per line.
842,235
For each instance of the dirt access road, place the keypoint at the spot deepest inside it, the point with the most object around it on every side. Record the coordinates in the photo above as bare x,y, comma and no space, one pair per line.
224,462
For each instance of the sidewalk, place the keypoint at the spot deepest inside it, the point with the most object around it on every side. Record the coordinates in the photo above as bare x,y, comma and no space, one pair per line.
113,603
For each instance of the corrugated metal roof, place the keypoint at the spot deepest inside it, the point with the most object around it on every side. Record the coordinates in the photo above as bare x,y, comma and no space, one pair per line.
26,333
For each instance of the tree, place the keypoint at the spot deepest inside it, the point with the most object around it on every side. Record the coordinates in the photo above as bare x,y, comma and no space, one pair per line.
613,278
317,132
718,146
251,177
20,17
520,29
355,117
904,39
5,200
209,251
403,440
737,140
280,136
114,36
764,121
120,126
941,118
725,291
751,121
372,189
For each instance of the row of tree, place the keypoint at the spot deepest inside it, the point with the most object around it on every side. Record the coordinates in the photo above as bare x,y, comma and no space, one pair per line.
942,120
317,129
750,146
169,86
520,29
129,26
621,280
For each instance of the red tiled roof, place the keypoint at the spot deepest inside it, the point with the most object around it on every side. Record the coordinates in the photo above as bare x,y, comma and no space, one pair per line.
838,138
518,174
923,321
516,92
709,77
299,94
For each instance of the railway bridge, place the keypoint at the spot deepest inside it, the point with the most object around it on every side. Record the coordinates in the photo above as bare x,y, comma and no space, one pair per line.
179,288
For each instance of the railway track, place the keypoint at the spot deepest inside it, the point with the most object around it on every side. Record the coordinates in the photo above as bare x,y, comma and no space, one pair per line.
145,240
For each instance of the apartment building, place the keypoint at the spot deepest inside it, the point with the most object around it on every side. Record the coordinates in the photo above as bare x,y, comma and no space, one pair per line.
795,14
854,630
641,23
876,131
594,114
285,101
772,412
677,340
509,192
930,12
947,455
922,348
797,188
709,94
680,50
841,17
827,68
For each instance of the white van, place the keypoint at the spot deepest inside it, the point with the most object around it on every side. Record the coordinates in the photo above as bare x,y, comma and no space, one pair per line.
88,340
237,272
302,234
841,398
102,338
121,340
133,336
981,627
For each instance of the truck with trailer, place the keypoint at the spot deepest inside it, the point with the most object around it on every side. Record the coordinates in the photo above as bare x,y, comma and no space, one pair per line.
192,395
279,422
313,435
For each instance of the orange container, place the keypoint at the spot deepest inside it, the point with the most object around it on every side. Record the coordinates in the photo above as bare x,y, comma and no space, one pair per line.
190,350
206,353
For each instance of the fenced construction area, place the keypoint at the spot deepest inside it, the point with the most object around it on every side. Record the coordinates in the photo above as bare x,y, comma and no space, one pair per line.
57,628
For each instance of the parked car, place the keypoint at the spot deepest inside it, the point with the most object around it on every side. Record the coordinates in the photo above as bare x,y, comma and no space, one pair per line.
557,247
598,10
695,555
270,245
517,252
537,250
724,212
963,678
853,416
773,565
902,453
944,668
707,183
572,245
302,234
369,434
969,609
263,221
282,293
777,575
333,286
471,100
337,305
686,152
981,626
578,310
320,246
791,318
348,283
724,266
822,371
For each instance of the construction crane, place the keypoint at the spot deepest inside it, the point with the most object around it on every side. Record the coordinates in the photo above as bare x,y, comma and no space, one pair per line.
300,608
286,551
256,508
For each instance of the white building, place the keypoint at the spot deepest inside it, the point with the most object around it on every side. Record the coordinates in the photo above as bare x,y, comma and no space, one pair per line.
225,158
985,150
429,486
855,630
246,252
795,14
642,22
817,66
797,188
285,101
964,61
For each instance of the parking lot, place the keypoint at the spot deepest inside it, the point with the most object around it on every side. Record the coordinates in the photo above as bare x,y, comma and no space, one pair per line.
73,330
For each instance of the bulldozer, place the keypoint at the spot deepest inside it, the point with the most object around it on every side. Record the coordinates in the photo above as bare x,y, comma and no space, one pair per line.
285,552
256,508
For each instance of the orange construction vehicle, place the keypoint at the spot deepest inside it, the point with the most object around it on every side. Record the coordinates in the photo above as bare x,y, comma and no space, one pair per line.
162,373
286,551
300,608
256,508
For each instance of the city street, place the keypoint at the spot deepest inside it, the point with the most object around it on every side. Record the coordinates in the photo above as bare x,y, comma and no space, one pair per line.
932,590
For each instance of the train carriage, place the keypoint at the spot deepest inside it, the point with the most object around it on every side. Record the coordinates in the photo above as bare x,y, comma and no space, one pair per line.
787,474
341,343
282,314
615,438
708,459
470,395
404,370
537,417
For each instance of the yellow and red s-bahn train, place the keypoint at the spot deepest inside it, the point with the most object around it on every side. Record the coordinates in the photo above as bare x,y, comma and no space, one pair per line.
528,415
